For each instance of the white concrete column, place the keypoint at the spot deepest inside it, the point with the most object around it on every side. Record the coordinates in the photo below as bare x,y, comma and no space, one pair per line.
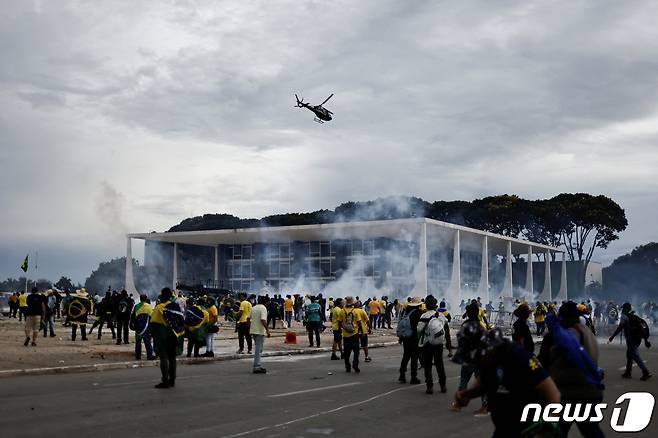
562,293
506,292
454,292
483,287
129,284
421,271
216,270
175,276
529,282
547,292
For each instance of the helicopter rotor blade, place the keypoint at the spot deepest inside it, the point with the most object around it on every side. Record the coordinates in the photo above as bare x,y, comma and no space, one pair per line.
325,101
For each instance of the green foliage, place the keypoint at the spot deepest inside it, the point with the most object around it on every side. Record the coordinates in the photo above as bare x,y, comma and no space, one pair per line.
64,283
634,275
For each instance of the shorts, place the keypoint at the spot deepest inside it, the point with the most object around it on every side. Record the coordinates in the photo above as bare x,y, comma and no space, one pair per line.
364,340
32,323
338,335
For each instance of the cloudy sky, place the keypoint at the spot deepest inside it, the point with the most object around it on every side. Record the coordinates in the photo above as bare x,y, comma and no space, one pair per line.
120,116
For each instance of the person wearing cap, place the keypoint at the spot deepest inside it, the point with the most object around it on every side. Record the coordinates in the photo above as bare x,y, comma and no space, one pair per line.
410,345
78,310
632,343
520,330
569,353
351,322
509,376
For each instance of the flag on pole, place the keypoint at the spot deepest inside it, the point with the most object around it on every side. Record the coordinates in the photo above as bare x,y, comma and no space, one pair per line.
25,264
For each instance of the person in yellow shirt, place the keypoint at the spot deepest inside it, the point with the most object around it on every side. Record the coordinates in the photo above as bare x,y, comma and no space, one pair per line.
139,322
244,315
373,309
540,318
22,305
213,314
335,327
363,334
350,322
382,312
288,309
167,329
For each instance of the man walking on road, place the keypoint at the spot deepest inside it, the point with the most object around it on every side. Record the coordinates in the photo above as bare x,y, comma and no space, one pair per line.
258,329
350,322
630,324
313,321
35,311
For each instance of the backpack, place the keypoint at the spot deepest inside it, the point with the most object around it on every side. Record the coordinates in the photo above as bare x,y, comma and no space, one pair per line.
434,330
639,327
349,324
404,329
124,307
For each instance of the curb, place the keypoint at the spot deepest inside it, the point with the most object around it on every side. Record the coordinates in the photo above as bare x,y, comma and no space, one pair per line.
184,360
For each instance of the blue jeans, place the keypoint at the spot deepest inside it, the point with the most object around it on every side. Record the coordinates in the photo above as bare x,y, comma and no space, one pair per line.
289,319
147,342
259,340
466,372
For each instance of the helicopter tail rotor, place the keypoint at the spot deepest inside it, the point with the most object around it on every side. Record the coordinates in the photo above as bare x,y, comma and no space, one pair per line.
300,103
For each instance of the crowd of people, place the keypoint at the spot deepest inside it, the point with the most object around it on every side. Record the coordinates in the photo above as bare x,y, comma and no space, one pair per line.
504,373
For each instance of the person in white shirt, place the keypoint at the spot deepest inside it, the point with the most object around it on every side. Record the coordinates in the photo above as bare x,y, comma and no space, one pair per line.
258,330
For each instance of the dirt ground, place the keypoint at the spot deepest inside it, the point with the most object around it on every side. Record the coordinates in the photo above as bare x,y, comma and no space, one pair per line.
62,351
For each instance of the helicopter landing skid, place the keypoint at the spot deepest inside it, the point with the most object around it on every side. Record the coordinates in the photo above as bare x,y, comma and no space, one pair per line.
318,121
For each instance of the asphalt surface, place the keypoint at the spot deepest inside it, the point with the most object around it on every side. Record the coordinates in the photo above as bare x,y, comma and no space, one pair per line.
298,397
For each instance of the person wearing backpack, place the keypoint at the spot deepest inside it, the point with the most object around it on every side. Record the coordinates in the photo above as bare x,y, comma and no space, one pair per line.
408,336
350,322
433,333
569,353
124,310
635,330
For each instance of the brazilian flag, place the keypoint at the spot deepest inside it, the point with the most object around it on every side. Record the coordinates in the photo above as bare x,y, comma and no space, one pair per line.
25,264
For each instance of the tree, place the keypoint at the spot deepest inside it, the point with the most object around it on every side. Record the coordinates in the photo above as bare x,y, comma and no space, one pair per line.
634,276
109,274
589,221
502,214
64,283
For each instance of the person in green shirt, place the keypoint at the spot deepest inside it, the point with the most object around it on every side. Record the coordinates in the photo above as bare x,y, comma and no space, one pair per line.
313,320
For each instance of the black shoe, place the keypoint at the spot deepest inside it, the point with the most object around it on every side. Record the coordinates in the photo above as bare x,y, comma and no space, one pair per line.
414,381
138,357
356,368
34,344
429,390
260,371
310,346
208,354
334,357
348,369
172,383
162,385
119,343
52,335
27,341
84,339
402,379
444,389
646,377
151,358
626,375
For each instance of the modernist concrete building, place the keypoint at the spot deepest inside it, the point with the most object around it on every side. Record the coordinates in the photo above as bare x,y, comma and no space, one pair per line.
398,257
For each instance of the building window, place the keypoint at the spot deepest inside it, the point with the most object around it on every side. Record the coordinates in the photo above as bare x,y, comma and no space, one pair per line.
284,270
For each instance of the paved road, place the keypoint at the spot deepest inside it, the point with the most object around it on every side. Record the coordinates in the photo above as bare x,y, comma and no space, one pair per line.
297,398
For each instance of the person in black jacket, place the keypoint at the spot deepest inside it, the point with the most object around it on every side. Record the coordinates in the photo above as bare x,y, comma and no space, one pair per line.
124,310
521,330
410,344
105,316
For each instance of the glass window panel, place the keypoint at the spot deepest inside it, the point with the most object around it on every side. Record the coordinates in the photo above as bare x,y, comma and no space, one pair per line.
357,247
325,268
246,251
325,249
284,250
237,252
315,267
368,247
315,249
274,269
284,270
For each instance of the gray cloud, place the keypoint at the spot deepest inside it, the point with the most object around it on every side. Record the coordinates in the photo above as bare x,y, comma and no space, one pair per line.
185,109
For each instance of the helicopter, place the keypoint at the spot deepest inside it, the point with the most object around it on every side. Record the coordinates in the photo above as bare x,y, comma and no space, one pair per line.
321,113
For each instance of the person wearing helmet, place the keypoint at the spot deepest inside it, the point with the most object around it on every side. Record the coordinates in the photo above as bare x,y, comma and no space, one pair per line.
509,375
